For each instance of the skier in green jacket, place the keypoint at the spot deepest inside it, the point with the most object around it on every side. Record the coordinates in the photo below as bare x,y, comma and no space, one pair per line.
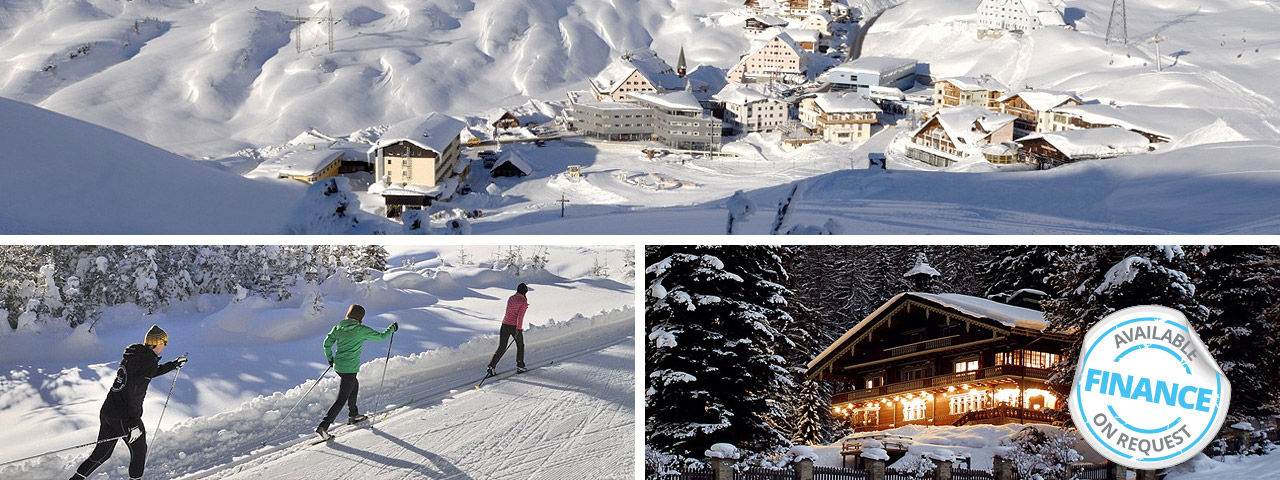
349,337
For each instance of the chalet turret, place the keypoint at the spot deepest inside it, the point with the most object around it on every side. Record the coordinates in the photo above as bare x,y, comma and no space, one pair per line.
943,359
921,275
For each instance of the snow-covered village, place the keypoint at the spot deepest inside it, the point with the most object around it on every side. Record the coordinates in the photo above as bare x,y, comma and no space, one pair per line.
445,387
938,362
640,116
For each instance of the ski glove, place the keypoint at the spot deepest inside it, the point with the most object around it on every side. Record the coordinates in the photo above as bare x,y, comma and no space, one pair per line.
395,326
330,362
180,361
133,434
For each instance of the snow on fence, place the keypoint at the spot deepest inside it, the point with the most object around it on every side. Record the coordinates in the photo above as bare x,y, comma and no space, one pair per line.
766,473
963,474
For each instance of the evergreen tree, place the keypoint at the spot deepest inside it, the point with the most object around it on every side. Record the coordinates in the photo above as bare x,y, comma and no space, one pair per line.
1238,286
1092,282
814,414
711,313
1015,267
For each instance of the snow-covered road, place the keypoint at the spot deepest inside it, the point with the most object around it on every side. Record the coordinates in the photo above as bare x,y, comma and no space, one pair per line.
573,419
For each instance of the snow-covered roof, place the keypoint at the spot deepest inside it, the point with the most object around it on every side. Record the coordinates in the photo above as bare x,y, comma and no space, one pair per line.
969,125
433,132
1168,122
1044,11
985,82
516,160
877,65
307,162
1094,142
770,20
999,314
803,35
1005,314
739,94
492,116
847,102
679,100
1043,100
648,63
921,268
820,14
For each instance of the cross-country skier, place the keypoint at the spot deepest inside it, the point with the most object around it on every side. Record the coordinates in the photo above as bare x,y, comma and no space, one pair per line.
121,413
349,336
512,326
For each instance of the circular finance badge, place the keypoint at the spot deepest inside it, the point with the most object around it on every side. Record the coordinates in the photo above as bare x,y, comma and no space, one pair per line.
1147,394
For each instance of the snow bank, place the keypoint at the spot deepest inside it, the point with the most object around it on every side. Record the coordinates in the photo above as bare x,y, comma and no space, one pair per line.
723,450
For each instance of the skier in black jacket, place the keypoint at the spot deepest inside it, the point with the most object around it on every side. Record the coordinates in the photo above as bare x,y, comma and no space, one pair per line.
121,413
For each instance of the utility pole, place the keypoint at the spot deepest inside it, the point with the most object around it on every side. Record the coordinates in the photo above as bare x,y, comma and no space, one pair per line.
1156,40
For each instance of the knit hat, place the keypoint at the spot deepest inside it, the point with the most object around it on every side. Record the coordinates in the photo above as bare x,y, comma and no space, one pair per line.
156,336
356,313
522,289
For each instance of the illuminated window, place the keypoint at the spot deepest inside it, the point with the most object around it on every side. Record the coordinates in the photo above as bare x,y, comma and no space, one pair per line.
967,365
913,410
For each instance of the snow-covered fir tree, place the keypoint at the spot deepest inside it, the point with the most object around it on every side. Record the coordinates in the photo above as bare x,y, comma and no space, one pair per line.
1018,267
1240,287
1091,282
813,414
711,313
1048,456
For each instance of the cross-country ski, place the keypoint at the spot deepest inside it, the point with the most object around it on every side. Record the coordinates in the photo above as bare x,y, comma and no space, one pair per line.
319,362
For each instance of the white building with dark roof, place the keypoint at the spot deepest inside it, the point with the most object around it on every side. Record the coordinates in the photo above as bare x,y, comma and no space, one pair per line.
417,156
1019,15
748,110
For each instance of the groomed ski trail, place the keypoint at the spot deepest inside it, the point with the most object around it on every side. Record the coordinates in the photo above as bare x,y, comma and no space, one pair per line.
573,419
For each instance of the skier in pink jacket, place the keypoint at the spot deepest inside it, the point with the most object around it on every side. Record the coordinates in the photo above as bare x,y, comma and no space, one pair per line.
512,326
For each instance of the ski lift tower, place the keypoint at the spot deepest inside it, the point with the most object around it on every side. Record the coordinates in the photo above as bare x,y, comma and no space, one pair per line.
1156,40
1118,27
327,21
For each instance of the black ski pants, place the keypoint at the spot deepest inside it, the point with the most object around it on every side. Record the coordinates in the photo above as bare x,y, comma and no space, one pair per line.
348,390
114,427
507,332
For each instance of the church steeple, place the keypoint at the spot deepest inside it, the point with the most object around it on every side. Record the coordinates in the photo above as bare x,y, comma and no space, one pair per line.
680,65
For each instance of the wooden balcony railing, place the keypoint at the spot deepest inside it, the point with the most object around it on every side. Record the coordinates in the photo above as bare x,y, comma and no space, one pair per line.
942,381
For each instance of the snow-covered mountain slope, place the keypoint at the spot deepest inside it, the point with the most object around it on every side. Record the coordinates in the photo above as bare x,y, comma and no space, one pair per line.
1219,55
253,360
62,175
204,77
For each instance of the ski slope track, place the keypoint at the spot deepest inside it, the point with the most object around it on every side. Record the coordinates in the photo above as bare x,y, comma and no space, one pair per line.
571,419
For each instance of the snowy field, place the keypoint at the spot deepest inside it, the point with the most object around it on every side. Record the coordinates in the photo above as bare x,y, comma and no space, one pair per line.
227,84
253,360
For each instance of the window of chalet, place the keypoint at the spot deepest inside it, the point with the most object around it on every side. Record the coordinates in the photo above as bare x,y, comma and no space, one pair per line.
914,372
913,410
969,402
913,336
966,364
875,380
1029,358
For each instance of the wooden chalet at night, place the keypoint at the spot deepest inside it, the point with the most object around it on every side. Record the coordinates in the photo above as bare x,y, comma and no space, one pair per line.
942,359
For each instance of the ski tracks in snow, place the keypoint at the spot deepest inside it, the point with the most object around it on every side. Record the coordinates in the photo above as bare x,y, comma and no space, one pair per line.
574,419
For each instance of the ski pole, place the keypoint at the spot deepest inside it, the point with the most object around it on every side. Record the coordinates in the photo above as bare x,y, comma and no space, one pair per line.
378,397
166,401
112,439
304,396
504,352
